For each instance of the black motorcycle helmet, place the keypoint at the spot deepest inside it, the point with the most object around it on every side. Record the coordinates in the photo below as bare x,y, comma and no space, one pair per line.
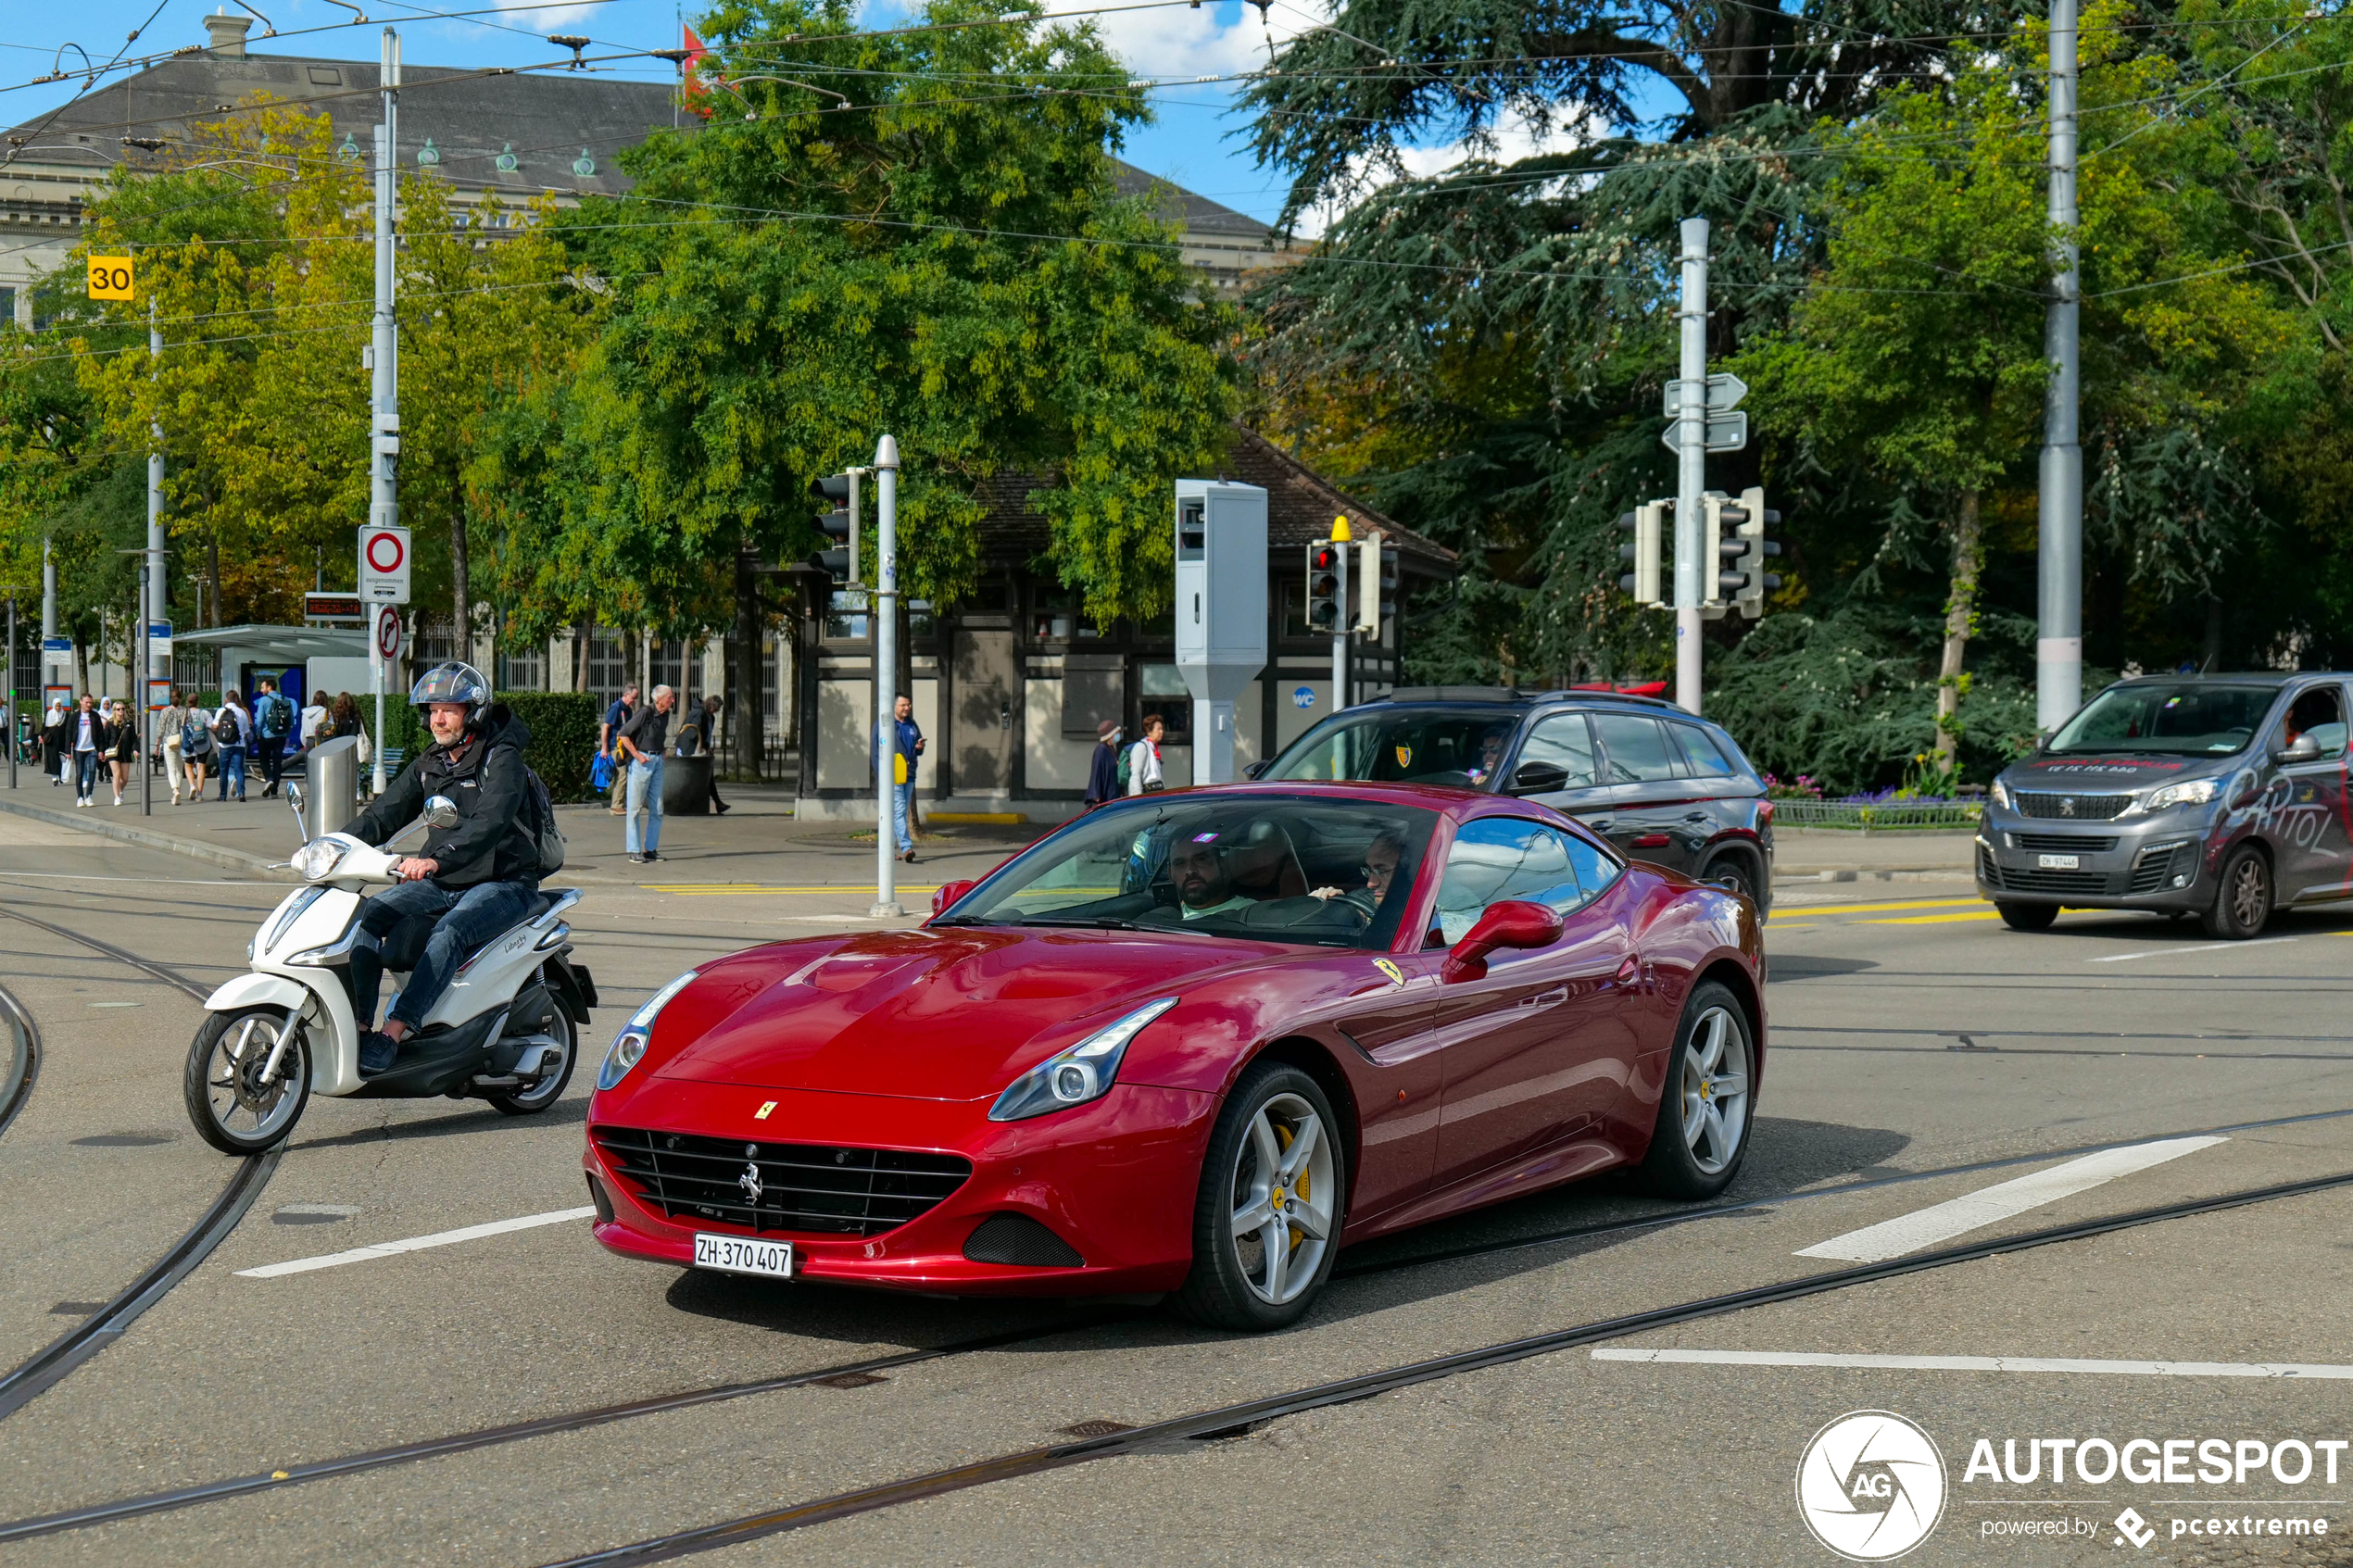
452,682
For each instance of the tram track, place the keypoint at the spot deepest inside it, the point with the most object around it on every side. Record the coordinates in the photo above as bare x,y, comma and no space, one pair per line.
58,1359
446,1444
24,1057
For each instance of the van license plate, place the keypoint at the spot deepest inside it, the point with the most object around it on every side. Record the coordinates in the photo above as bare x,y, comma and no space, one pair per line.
2058,862
734,1255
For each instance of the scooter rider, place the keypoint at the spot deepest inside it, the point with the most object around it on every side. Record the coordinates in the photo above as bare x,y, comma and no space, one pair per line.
477,878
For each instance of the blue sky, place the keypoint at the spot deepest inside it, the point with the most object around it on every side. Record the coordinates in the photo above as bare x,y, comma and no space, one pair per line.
1190,144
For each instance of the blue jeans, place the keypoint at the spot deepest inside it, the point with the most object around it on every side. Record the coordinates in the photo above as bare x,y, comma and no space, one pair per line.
469,918
233,766
645,795
903,799
85,774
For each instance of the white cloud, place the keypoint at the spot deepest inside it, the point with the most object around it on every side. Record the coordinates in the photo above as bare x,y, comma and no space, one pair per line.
1513,139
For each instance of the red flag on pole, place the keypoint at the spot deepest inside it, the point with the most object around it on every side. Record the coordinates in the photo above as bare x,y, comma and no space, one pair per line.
695,92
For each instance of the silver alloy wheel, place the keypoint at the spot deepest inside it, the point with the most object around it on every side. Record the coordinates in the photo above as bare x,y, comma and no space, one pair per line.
1283,1191
2250,899
1714,1090
551,1081
234,1084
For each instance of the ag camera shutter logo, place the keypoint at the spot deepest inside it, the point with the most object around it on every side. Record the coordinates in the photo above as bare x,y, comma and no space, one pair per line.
1871,1485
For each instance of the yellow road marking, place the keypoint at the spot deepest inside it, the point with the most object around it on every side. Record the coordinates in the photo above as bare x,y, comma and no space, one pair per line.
1876,908
1934,920
728,888
1797,928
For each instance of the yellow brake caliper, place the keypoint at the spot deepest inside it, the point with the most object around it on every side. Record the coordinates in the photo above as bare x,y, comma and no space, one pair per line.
1283,1136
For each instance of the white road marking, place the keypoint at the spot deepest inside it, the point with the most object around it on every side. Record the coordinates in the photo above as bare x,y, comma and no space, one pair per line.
414,1244
2201,948
1909,1233
1981,1363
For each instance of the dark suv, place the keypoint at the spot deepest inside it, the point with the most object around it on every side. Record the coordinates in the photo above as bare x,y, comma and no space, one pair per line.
1658,784
2216,795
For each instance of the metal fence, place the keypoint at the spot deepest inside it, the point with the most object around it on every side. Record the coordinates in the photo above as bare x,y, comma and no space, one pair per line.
1879,816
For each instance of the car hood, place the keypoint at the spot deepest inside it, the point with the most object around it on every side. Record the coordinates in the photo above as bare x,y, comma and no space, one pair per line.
954,1014
2112,773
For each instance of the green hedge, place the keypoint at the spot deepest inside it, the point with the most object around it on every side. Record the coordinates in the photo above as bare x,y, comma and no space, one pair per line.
563,736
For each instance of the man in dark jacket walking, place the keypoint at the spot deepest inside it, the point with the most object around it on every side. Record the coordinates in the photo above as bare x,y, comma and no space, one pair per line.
478,877
274,716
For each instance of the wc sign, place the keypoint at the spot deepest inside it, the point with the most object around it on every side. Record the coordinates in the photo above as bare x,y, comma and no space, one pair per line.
383,565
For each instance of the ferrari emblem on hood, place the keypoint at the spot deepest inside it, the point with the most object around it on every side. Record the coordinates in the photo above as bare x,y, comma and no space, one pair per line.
1394,974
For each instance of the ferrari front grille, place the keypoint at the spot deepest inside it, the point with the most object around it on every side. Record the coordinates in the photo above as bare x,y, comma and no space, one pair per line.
776,1186
2081,807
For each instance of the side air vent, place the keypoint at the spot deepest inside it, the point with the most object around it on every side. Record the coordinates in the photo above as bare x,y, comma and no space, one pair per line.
1022,1242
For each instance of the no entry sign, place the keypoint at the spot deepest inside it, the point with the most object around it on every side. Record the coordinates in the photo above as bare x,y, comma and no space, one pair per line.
383,565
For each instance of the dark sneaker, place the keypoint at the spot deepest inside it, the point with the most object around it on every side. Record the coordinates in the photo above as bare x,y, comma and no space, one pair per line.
377,1051
651,856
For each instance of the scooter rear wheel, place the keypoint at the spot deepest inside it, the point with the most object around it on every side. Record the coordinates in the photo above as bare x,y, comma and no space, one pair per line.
550,1089
234,1108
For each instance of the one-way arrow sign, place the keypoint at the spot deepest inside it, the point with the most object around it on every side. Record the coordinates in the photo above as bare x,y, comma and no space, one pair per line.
1726,432
1724,394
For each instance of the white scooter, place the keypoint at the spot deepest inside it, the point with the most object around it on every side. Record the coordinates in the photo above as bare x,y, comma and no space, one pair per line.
508,1029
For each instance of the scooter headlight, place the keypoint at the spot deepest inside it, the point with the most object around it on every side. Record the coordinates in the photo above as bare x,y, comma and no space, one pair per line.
629,1046
318,858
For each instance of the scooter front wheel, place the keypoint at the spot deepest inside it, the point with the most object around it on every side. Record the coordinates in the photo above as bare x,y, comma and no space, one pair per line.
248,1078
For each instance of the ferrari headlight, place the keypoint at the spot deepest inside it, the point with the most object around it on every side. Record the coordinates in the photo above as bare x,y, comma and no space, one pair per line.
2189,792
1080,1073
2001,796
318,858
629,1046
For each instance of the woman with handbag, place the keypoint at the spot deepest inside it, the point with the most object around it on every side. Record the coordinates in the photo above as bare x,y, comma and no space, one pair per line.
122,746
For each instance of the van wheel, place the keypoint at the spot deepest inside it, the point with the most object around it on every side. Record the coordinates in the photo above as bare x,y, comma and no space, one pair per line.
2242,904
1736,872
2027,917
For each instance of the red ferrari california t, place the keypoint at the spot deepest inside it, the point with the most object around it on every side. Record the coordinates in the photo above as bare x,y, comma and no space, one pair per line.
1191,1042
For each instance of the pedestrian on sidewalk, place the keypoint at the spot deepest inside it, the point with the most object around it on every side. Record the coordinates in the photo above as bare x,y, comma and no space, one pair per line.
641,740
168,726
122,746
623,709
55,756
314,718
197,748
711,707
274,717
87,740
1143,759
233,732
903,745
1103,772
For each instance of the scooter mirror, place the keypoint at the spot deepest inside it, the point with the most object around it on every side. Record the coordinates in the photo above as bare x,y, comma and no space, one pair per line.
294,803
441,812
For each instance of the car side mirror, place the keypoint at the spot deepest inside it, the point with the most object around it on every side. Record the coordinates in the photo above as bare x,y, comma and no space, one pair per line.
944,897
1514,922
1539,778
2303,749
441,812
1257,768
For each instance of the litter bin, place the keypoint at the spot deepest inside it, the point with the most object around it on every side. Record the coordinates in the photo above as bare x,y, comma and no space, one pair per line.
686,786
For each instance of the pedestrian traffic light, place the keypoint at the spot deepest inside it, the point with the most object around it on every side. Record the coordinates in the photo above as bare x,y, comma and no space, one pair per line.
1749,582
1323,585
1648,522
1376,582
839,523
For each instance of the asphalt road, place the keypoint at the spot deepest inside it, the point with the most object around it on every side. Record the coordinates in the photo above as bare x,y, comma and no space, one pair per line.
1912,1035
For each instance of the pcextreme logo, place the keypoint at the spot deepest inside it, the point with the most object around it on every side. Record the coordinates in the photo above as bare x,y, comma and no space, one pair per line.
1871,1485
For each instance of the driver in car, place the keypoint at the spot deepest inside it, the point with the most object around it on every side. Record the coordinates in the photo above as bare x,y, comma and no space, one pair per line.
1382,857
476,879
1205,887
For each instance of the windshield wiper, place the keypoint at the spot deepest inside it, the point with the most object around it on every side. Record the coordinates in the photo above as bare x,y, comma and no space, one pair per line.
1107,922
963,919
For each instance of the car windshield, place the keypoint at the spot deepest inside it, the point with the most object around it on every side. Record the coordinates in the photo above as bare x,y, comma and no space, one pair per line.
1462,750
1266,868
2184,719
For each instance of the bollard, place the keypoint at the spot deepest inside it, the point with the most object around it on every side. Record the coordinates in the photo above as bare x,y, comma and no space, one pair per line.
334,783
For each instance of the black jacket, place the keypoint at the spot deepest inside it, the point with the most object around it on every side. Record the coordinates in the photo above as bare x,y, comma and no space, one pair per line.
1103,775
486,783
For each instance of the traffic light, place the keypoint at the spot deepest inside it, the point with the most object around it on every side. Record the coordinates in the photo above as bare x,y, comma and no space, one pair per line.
1375,582
1720,549
1749,582
839,523
1649,524
1323,585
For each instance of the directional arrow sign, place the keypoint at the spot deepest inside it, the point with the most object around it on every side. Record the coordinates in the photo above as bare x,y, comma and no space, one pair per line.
1724,394
1726,432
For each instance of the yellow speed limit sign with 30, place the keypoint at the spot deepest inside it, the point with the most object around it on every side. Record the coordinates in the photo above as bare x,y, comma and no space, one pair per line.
110,277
